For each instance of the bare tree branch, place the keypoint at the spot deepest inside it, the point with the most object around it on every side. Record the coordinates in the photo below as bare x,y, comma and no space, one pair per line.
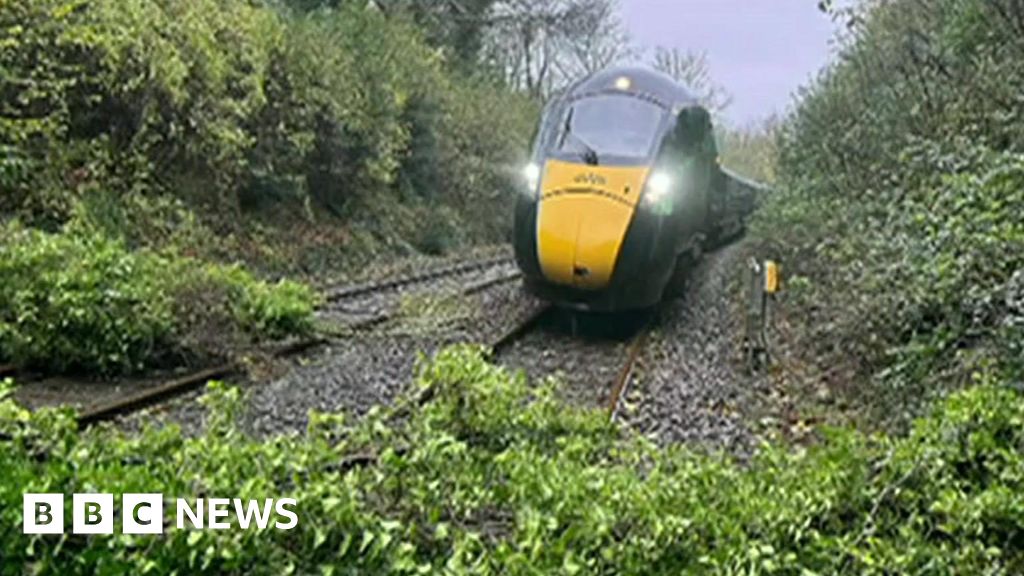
693,71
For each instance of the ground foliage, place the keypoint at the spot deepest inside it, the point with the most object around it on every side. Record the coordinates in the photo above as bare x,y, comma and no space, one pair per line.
492,475
79,301
898,210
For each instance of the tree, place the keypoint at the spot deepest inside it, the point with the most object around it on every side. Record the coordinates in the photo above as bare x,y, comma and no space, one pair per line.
693,70
541,45
458,26
592,38
534,46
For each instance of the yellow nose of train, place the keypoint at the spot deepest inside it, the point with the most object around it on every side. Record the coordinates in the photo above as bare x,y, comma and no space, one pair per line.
583,216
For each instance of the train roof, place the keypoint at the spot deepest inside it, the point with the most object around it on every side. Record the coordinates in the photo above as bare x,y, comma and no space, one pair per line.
637,80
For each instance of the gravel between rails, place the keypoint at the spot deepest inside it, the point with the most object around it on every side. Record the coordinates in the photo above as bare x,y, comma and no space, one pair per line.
366,369
690,385
373,368
586,358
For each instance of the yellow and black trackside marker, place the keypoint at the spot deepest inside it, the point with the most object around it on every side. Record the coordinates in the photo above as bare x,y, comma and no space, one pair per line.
583,217
771,277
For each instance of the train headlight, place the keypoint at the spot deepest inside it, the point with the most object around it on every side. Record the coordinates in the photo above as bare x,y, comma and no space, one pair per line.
659,185
531,174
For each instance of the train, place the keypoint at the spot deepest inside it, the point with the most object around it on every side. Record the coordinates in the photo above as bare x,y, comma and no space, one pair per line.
622,193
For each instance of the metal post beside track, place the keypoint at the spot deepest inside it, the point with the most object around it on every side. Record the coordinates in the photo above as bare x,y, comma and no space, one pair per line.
763,285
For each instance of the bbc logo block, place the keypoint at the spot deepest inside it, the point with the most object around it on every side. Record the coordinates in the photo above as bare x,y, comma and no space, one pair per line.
143,513
93,514
43,514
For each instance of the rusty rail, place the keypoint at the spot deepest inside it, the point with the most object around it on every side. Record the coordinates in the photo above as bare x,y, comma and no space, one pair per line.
524,325
337,294
622,380
153,395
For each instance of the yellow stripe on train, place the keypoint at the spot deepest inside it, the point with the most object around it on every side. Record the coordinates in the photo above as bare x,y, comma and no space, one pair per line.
583,217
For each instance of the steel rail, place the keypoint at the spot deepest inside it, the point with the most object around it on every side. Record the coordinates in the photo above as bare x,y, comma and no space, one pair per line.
621,381
517,330
150,396
336,294
490,283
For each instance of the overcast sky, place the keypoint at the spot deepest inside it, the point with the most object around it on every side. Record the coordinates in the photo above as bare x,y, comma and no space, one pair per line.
760,50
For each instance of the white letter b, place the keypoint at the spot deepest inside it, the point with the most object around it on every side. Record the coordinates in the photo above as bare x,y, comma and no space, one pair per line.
42,514
92,514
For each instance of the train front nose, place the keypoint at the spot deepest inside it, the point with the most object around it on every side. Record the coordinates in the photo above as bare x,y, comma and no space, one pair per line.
583,216
579,238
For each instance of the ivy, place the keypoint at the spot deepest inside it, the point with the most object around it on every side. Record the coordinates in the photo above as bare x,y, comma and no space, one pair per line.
899,201
494,475
80,301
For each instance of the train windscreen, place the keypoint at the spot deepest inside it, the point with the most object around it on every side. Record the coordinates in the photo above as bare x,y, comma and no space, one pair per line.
609,125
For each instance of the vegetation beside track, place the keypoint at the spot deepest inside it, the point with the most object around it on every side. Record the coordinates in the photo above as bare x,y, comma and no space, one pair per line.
181,137
898,211
492,475
168,121
80,301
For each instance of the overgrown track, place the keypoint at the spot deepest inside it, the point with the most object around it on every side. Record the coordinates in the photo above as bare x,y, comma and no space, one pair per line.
364,306
607,364
179,386
183,385
337,294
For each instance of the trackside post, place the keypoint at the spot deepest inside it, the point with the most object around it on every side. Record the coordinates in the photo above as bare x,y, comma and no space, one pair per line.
764,284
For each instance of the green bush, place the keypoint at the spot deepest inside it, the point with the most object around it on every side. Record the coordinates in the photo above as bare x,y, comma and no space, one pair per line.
129,94
234,105
900,197
79,301
483,152
493,475
273,310
74,303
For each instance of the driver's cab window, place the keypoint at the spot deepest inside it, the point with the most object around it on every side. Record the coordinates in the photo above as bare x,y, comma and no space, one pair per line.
694,133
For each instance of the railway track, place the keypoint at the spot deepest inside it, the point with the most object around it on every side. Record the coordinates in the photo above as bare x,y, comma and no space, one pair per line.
337,294
574,352
688,401
183,385
518,329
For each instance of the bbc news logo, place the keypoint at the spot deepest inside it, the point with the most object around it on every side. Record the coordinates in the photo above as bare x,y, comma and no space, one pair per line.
144,514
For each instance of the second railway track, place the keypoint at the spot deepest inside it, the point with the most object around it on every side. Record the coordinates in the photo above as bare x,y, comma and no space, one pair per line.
180,386
338,294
